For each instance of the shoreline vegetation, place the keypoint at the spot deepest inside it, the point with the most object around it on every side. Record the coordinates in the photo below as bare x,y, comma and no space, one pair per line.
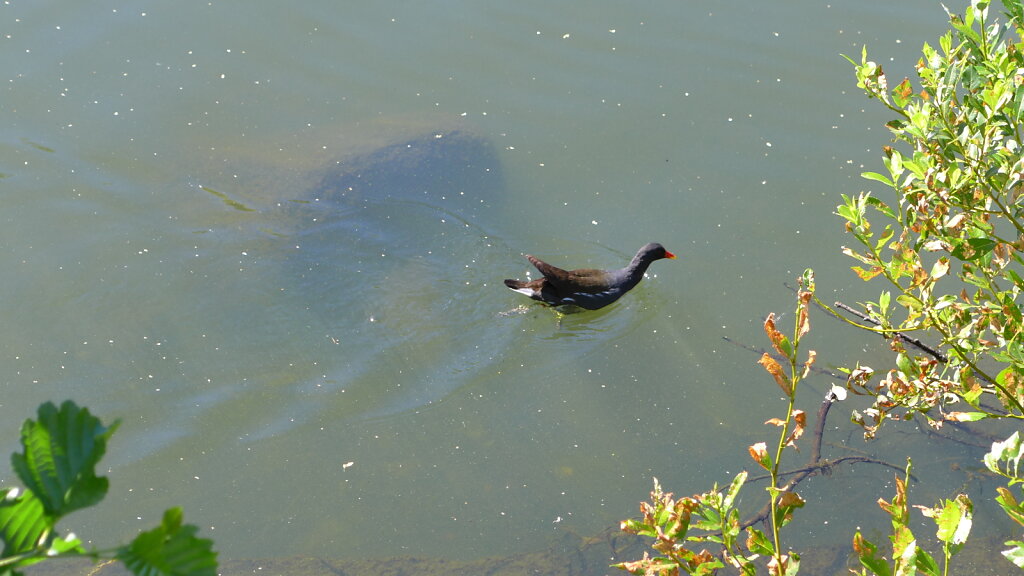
945,240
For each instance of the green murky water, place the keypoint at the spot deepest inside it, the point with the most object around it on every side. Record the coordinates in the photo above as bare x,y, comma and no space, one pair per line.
313,373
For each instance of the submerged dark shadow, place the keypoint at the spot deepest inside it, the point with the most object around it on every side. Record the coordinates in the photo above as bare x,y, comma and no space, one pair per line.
386,256
455,170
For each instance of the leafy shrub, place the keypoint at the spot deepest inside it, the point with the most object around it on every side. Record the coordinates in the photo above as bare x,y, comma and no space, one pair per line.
949,250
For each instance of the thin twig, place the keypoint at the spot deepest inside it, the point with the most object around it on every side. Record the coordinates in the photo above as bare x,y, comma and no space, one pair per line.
910,340
814,368
816,464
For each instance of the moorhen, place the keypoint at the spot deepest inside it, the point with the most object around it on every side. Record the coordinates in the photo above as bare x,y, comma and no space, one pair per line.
586,288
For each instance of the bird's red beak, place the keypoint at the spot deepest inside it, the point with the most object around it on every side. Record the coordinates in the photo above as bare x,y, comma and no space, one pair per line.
669,254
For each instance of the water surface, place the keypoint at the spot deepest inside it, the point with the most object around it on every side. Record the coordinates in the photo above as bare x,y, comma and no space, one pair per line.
310,373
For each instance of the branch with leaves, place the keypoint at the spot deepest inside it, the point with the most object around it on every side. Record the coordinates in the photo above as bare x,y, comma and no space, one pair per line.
668,520
58,470
815,464
950,250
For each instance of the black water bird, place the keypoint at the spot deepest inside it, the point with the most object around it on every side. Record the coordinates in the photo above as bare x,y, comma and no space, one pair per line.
587,288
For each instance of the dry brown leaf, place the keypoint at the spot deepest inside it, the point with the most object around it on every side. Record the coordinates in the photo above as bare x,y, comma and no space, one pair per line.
759,452
920,277
803,323
774,335
800,421
858,544
775,370
790,499
811,357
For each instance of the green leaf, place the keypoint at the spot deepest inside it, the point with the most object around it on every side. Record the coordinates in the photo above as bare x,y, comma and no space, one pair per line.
64,545
1017,280
1015,11
869,200
883,302
940,268
972,396
894,162
946,42
924,562
1016,553
23,523
969,416
734,489
786,347
884,238
1010,505
914,167
787,503
170,549
866,275
930,56
878,177
974,248
902,93
908,302
954,521
963,26
792,565
1010,307
904,364
904,544
758,543
869,557
1010,450
61,452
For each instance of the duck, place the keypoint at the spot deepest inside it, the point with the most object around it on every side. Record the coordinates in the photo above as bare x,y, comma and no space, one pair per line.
587,288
